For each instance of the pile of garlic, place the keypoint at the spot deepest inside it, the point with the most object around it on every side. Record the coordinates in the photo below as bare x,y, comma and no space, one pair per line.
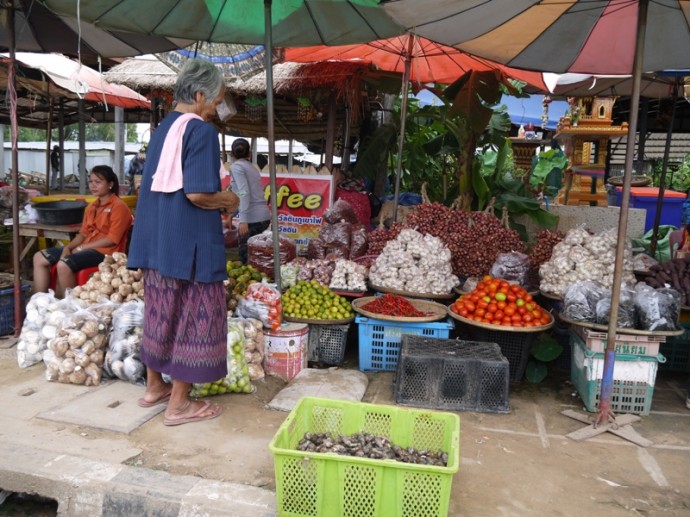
113,281
44,314
75,355
582,256
414,263
124,344
349,275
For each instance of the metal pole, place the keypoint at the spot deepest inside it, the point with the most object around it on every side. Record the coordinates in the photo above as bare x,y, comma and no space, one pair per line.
49,143
271,141
18,305
82,147
403,116
61,137
605,414
119,155
664,167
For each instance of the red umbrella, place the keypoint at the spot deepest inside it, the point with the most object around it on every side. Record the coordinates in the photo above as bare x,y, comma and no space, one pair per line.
419,60
430,62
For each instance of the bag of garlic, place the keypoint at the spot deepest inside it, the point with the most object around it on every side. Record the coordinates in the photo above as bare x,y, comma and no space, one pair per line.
254,347
44,314
122,358
237,380
75,355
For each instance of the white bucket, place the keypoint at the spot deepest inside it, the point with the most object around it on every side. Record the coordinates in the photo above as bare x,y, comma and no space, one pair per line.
286,350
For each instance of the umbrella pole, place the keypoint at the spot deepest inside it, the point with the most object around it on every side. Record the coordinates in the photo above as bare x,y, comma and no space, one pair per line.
605,414
664,167
18,306
271,141
403,117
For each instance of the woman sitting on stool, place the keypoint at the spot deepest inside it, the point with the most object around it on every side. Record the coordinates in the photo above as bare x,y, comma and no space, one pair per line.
104,231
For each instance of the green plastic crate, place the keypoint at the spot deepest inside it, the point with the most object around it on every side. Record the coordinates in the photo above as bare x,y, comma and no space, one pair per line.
310,484
633,378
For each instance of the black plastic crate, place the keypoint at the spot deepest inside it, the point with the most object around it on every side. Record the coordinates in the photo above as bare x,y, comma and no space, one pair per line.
561,333
515,346
676,350
452,374
327,343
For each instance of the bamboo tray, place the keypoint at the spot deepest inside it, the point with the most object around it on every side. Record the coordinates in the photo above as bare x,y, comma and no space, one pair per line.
314,321
412,295
551,296
634,332
438,311
500,328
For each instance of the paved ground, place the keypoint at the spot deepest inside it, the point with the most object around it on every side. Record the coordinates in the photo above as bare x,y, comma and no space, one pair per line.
516,464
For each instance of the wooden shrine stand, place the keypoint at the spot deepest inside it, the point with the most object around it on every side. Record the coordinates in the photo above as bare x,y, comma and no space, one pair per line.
585,143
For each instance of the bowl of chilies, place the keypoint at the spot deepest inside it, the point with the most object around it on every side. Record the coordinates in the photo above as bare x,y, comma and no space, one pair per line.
393,307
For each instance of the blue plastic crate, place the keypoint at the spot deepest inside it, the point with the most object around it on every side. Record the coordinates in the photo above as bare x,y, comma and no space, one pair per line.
379,340
7,309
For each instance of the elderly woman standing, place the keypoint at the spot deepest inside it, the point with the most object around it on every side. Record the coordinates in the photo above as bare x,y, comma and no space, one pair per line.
178,242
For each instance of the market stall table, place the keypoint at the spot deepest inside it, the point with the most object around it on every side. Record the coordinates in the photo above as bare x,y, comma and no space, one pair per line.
49,231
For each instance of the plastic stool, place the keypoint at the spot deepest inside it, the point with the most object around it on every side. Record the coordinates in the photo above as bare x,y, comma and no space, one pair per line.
83,275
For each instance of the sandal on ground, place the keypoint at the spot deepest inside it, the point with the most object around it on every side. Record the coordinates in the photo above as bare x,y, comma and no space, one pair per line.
198,415
142,402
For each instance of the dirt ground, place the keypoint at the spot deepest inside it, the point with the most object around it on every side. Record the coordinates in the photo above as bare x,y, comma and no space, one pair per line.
512,464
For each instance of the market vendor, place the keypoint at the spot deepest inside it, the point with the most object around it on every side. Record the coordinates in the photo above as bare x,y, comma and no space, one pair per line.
103,232
680,241
254,214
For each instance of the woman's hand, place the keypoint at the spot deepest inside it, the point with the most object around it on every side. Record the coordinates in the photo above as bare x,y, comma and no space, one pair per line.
244,229
65,252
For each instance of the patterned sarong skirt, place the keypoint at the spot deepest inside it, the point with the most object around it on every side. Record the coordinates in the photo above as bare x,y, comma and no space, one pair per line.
185,328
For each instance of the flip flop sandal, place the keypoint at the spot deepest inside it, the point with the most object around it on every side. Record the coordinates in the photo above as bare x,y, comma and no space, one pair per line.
160,400
197,416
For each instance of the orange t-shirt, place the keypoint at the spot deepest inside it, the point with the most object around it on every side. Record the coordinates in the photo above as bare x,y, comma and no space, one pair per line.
111,219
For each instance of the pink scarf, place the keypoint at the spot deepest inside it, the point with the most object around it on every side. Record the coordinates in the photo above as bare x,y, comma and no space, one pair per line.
168,175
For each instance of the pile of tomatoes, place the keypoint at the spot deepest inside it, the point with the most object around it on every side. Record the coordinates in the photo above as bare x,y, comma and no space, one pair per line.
498,302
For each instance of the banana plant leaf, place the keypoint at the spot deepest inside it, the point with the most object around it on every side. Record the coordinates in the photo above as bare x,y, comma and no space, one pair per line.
546,348
536,371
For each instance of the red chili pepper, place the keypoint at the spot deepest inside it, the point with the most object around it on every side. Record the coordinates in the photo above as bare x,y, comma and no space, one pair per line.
393,305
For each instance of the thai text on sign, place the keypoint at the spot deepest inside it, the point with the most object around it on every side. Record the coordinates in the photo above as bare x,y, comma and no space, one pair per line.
302,203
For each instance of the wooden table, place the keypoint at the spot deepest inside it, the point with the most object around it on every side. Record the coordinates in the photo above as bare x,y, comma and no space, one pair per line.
49,231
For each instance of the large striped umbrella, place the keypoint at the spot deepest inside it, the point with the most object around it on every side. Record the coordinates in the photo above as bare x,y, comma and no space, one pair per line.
581,36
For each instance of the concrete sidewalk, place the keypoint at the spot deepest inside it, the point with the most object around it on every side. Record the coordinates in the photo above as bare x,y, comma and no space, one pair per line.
122,461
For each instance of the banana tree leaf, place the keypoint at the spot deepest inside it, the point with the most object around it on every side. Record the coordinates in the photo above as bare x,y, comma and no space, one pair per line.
470,93
546,348
535,372
522,205
480,186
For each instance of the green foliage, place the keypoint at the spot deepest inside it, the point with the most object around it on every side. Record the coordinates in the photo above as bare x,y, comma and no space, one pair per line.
101,132
677,175
536,371
547,171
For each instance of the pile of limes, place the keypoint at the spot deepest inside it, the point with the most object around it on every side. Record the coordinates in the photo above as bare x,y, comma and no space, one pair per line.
311,300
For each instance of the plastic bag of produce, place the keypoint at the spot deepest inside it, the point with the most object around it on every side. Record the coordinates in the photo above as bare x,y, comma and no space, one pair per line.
626,310
513,267
358,241
336,236
643,262
237,380
340,211
262,302
260,251
657,309
316,249
44,315
254,348
580,301
122,358
76,354
288,274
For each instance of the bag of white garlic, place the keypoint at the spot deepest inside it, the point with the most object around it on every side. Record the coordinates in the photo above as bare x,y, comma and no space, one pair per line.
122,358
254,347
44,314
76,354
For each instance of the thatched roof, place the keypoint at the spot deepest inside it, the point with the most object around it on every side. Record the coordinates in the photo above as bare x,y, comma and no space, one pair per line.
292,82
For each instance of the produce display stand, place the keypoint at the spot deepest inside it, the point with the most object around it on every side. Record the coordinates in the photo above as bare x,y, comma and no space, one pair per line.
515,342
348,294
436,310
430,296
530,290
635,332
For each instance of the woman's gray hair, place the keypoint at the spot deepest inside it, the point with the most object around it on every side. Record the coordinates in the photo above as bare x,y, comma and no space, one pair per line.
198,75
